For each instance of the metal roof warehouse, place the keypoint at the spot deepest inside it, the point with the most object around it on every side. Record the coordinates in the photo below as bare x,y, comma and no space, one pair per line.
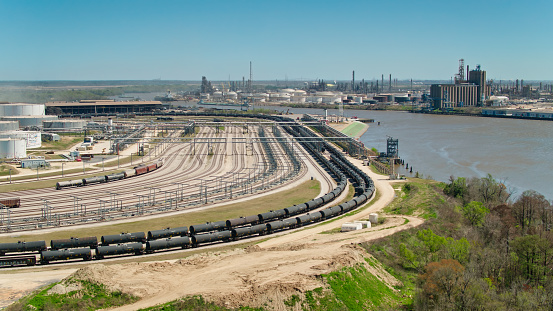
105,106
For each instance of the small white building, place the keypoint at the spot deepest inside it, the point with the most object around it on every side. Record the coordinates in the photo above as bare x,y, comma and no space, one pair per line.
350,226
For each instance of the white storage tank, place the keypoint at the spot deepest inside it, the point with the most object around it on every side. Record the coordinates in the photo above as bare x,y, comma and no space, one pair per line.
29,120
314,99
12,148
22,109
297,99
9,126
373,217
349,226
32,139
65,124
364,223
231,95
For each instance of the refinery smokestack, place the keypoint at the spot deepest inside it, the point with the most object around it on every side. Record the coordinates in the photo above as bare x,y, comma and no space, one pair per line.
353,81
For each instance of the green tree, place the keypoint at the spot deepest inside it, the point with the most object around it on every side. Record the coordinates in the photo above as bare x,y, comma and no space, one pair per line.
457,187
475,212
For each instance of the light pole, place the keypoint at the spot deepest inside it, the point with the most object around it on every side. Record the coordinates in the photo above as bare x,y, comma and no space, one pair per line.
10,175
37,172
103,163
62,163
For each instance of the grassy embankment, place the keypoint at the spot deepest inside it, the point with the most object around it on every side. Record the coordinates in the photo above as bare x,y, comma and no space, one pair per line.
83,296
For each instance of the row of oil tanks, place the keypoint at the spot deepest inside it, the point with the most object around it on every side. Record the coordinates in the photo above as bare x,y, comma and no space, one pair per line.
138,170
183,237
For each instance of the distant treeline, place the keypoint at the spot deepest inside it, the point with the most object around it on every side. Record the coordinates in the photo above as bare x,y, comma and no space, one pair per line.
76,94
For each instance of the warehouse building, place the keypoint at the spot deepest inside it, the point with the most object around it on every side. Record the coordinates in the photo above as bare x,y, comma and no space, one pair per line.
105,106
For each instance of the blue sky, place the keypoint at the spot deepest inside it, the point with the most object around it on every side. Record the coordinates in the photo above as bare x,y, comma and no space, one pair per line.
184,40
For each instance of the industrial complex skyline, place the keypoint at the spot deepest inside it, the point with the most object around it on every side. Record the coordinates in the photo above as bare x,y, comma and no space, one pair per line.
177,40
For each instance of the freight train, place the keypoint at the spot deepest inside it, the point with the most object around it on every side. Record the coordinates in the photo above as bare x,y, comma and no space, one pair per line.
138,243
138,170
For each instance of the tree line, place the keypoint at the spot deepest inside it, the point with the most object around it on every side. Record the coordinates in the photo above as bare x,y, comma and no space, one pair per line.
485,250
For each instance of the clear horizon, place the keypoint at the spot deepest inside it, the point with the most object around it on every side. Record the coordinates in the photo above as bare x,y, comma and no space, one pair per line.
287,40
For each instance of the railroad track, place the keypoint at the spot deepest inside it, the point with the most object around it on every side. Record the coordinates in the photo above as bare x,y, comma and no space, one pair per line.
175,170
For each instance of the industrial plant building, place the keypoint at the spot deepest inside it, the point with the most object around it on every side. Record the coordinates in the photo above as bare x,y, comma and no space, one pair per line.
105,106
464,92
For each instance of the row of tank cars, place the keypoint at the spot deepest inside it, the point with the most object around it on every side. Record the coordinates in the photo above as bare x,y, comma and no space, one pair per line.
138,243
137,170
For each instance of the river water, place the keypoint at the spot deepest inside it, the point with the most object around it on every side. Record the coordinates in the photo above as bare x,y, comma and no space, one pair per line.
516,152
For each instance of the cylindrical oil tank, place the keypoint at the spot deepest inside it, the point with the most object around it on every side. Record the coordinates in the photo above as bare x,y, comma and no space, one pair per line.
21,247
65,124
115,176
294,210
201,228
32,139
276,225
94,180
331,211
137,248
218,225
129,173
25,121
239,232
66,254
74,243
182,242
22,109
211,237
123,238
253,219
13,148
280,213
303,219
168,232
6,126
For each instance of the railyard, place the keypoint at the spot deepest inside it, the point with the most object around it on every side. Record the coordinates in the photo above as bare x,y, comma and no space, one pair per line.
209,161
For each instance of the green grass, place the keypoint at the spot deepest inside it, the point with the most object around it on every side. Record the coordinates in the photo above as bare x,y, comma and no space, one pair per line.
64,143
91,296
5,170
193,303
302,193
352,288
417,197
354,129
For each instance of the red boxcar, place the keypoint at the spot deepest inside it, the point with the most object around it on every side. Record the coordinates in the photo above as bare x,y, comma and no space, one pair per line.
11,202
152,167
141,170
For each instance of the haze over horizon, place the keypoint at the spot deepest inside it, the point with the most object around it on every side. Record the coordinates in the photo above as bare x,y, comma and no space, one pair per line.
174,40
